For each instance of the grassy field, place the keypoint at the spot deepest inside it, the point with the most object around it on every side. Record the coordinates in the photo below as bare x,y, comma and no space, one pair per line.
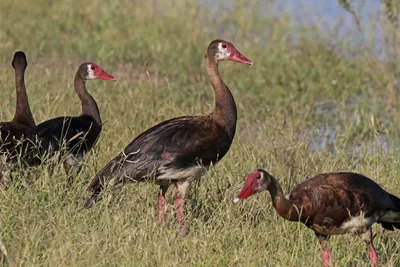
313,102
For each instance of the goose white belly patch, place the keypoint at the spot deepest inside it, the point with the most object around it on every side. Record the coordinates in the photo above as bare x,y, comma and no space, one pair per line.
357,223
192,173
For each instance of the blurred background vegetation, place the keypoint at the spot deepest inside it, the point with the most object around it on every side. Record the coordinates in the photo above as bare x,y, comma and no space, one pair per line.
323,95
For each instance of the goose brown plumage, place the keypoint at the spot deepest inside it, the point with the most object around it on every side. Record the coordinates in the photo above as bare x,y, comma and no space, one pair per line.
179,151
74,136
331,204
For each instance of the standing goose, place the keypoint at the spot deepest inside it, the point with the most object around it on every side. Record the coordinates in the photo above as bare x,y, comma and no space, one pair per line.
179,151
75,135
22,126
331,204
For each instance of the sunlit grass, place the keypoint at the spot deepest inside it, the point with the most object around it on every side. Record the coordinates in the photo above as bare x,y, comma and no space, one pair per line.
300,84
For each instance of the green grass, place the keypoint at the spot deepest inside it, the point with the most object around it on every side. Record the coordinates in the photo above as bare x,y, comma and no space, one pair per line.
303,80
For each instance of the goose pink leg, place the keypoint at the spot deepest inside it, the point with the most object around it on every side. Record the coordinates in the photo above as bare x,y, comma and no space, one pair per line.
182,188
326,257
180,214
369,238
161,203
326,254
161,209
373,256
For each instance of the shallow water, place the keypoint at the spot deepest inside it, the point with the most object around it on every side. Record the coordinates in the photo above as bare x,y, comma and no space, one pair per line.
324,14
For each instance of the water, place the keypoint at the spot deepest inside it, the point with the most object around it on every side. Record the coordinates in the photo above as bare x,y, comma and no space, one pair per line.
312,12
326,15
327,11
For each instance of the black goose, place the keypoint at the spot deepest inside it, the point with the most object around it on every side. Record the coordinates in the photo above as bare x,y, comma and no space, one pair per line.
74,135
16,134
178,151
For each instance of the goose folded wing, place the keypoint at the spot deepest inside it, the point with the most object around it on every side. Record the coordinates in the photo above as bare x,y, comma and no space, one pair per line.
177,143
70,133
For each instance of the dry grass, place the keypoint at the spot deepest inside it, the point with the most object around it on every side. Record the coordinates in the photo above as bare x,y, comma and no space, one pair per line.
301,86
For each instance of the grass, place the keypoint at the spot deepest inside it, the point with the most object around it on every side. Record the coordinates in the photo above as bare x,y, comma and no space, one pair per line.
305,82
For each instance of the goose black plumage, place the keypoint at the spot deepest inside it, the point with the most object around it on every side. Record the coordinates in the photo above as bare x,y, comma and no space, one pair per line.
74,136
22,126
179,151
17,135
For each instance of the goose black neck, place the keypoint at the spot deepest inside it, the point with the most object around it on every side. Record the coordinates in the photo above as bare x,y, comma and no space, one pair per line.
89,105
225,113
23,112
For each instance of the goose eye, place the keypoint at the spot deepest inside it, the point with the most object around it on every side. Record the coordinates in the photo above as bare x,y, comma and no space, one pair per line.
258,177
92,67
224,46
